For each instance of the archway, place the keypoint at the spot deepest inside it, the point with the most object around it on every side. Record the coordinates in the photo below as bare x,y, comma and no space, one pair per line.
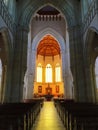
66,73
5,64
91,53
35,36
66,7
48,79
3,67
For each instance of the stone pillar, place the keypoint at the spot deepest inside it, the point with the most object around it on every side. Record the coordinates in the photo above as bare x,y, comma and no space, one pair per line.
33,67
4,73
31,74
89,76
66,75
20,63
77,63
63,71
8,79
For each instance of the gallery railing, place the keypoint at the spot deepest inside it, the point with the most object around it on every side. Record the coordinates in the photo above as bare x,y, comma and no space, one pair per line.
92,11
7,17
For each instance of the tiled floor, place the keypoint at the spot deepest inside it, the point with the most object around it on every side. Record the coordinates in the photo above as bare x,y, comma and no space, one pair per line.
48,119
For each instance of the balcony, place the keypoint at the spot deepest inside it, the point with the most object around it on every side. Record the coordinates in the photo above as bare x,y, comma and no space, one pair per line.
92,11
7,17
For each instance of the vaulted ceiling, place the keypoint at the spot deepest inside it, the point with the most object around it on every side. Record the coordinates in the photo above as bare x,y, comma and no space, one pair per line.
48,10
48,46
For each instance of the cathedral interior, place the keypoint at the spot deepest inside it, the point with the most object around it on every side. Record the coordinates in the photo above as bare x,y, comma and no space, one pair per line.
49,50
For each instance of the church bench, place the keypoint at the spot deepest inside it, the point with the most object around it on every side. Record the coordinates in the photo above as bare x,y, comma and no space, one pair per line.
19,116
82,116
15,114
77,116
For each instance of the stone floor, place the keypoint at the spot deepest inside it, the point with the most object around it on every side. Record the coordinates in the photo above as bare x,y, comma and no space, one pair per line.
48,119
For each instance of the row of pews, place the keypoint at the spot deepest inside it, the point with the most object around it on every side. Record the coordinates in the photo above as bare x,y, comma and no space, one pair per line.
77,115
19,116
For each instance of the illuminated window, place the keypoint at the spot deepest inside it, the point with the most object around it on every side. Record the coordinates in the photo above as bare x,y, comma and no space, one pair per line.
39,73
48,73
58,73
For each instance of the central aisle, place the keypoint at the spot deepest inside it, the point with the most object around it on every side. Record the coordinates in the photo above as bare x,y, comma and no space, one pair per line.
48,118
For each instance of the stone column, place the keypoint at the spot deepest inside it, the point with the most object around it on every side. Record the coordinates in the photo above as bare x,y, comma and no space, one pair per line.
4,73
33,66
89,76
77,63
63,71
8,79
31,74
66,75
19,63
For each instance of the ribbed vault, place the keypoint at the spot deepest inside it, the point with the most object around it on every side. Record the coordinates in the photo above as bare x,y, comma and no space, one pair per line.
48,46
33,6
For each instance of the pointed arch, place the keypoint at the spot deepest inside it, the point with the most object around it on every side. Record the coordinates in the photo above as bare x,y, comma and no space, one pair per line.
52,32
65,7
90,57
88,42
6,58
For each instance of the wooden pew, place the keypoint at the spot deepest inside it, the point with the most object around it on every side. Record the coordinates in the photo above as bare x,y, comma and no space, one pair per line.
81,116
19,116
78,116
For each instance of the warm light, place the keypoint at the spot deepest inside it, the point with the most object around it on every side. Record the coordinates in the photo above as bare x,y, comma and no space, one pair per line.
48,119
39,73
58,73
48,73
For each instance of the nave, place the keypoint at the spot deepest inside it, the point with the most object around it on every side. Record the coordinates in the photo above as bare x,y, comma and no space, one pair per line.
48,118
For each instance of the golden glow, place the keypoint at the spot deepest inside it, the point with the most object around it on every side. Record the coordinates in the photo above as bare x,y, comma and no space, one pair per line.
48,119
39,73
48,46
58,73
48,73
